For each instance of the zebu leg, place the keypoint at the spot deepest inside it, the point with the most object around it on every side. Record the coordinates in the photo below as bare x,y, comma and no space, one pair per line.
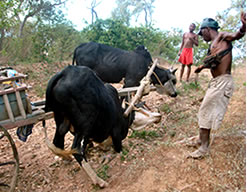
63,127
79,157
96,180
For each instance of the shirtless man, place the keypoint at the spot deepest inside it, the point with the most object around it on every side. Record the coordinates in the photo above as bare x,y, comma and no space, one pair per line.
220,89
186,57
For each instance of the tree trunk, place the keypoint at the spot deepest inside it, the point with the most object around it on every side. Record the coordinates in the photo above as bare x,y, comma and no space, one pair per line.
22,26
2,32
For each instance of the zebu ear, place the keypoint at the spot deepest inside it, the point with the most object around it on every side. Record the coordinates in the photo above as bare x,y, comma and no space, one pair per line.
173,71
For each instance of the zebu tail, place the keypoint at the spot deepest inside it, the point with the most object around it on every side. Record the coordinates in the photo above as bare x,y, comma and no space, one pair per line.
74,56
51,84
65,154
48,102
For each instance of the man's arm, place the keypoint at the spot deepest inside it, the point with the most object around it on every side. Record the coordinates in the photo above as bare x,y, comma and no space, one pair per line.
237,35
200,68
182,45
195,40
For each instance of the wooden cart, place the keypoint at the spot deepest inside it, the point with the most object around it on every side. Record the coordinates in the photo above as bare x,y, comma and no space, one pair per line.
17,111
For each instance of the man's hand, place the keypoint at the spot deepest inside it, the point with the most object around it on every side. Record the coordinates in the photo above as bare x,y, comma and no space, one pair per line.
194,40
199,69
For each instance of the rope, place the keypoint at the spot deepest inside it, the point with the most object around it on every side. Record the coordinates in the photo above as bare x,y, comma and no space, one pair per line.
156,76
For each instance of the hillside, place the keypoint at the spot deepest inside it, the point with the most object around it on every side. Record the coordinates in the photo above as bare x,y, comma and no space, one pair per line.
151,160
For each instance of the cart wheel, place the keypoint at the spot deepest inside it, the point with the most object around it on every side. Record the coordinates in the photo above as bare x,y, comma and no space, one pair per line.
4,133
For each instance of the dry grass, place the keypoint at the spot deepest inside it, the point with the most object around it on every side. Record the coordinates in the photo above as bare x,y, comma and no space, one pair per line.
150,160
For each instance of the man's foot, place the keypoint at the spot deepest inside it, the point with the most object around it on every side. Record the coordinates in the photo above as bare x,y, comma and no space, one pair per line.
193,142
198,154
190,142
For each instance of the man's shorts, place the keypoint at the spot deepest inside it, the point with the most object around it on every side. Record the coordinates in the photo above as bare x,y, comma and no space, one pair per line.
186,56
215,102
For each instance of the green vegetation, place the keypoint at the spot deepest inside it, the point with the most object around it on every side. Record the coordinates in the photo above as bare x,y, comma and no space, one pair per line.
124,153
165,108
37,31
191,86
146,135
102,172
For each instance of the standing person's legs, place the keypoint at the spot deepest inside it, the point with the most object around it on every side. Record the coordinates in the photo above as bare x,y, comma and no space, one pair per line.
204,139
181,72
188,72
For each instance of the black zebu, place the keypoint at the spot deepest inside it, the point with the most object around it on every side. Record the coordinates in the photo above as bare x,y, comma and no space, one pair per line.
114,64
79,98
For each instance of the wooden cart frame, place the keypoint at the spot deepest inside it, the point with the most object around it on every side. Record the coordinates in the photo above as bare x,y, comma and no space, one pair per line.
25,115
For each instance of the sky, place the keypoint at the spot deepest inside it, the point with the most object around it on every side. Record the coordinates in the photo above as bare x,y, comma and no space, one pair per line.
167,14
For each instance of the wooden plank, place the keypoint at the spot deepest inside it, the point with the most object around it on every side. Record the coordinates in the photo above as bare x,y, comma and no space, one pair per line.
8,108
126,91
138,94
12,90
19,76
38,103
20,104
33,118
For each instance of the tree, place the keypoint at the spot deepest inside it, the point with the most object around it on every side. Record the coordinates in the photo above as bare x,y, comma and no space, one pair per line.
94,4
36,8
122,12
229,20
128,8
147,7
117,34
8,10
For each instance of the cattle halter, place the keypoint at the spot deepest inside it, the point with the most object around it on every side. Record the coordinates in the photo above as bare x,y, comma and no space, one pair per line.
166,85
158,79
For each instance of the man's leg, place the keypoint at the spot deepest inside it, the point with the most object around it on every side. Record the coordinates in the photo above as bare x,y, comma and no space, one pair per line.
188,72
182,72
204,139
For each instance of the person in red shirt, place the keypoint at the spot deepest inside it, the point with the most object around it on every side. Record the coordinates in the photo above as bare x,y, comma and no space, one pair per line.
186,57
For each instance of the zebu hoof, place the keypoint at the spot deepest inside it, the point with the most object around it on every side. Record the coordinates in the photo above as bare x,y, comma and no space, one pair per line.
79,158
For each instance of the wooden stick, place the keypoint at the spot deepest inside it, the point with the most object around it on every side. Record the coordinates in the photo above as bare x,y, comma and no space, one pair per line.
20,104
145,81
96,180
127,90
196,78
8,108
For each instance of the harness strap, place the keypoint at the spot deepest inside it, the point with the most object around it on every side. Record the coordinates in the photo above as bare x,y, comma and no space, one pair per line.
211,61
224,52
158,79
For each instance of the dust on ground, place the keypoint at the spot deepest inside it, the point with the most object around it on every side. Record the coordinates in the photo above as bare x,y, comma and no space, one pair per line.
150,161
